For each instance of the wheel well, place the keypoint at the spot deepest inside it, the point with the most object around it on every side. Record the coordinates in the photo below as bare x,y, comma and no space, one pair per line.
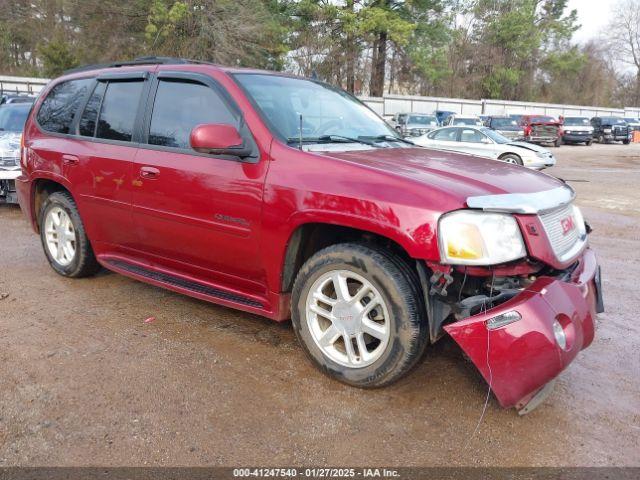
43,188
509,153
311,238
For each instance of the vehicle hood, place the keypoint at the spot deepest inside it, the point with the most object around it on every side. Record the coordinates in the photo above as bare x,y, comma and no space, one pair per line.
553,124
577,128
10,144
509,129
458,175
529,146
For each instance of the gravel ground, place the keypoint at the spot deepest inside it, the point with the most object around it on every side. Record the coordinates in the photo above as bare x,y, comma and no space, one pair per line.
84,381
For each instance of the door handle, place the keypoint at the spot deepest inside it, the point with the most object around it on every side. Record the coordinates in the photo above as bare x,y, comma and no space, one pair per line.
149,172
70,159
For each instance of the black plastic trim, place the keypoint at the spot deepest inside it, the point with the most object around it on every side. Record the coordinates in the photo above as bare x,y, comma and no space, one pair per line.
183,283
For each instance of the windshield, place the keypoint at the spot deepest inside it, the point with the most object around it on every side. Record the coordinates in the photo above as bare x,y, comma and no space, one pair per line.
326,111
613,120
632,120
423,120
13,117
576,121
466,121
495,136
541,119
504,123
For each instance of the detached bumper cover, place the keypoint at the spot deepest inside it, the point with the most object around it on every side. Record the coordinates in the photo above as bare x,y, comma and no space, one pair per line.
520,358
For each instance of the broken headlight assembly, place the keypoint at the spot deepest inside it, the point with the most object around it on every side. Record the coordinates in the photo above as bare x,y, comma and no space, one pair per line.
469,237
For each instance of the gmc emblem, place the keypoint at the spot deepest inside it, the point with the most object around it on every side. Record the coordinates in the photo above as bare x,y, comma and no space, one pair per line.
567,224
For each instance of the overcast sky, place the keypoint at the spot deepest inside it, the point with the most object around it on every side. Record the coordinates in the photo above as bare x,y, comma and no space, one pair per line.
593,15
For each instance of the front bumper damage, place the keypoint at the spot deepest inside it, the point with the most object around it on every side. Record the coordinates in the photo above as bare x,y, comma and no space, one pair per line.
519,359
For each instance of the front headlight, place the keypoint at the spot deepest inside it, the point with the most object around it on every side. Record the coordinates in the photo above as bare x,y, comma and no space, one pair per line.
469,237
579,219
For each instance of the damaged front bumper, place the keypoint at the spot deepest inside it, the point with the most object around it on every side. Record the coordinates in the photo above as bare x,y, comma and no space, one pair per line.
520,358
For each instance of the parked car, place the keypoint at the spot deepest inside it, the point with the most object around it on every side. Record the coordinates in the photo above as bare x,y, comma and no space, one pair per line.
12,119
442,115
457,119
16,98
541,129
201,179
505,126
610,129
517,117
414,124
577,130
488,143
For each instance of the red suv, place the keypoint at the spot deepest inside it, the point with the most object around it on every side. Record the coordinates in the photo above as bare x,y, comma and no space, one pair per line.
289,198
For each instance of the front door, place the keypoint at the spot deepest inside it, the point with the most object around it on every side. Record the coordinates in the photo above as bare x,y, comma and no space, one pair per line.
194,213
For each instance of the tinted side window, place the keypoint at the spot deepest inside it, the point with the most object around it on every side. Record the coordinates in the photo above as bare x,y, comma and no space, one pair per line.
89,117
118,112
179,106
59,107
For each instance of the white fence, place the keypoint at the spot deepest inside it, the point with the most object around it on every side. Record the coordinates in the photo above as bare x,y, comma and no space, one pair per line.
388,105
22,84
392,104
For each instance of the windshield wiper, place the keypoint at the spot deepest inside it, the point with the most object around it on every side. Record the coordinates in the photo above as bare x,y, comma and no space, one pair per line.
391,138
332,138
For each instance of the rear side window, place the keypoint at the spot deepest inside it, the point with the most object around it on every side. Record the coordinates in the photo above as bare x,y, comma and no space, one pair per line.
59,107
89,118
117,114
179,106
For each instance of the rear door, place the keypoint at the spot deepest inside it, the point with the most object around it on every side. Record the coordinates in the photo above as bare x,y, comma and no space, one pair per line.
444,139
194,213
105,149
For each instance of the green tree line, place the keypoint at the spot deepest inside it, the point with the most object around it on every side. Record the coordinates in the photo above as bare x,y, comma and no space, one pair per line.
508,49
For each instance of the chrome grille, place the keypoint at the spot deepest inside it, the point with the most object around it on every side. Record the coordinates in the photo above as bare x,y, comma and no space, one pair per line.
552,223
9,161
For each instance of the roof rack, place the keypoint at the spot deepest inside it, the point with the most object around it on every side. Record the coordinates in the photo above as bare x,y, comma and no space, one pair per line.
151,60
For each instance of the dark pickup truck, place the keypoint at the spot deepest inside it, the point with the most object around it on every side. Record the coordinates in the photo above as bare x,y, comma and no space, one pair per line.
610,129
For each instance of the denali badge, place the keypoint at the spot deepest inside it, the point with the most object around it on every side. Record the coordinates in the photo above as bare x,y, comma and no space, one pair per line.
567,224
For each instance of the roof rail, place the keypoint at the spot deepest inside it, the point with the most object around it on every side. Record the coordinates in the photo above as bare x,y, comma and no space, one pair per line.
151,60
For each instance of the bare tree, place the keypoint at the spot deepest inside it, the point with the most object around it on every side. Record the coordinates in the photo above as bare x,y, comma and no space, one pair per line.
623,33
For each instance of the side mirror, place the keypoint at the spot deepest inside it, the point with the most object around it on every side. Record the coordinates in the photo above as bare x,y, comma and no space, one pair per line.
220,139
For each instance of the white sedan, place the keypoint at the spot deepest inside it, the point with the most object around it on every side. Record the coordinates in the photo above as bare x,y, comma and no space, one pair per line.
484,142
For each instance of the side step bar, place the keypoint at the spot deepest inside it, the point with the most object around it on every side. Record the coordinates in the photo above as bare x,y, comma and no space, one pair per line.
180,282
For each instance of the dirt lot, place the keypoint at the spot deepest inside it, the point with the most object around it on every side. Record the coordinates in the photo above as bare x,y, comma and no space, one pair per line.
84,381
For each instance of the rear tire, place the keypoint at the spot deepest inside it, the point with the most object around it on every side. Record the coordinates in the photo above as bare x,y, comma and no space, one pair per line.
601,139
64,239
588,143
558,142
386,341
626,142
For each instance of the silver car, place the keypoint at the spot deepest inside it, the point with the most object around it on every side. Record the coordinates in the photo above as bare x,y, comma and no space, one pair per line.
12,119
484,142
414,124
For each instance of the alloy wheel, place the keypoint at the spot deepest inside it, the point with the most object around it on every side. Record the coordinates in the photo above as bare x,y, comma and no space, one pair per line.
60,235
348,318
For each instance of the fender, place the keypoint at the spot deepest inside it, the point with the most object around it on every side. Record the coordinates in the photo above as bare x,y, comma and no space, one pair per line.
32,180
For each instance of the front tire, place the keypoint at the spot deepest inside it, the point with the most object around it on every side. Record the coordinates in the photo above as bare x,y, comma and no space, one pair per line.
626,142
512,158
64,239
358,313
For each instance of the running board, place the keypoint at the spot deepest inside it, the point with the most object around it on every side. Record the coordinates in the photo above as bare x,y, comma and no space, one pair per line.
179,282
